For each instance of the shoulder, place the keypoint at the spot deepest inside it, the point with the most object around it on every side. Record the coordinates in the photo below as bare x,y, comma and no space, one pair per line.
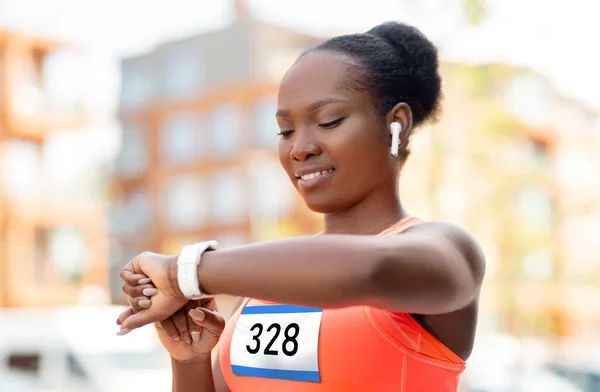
448,235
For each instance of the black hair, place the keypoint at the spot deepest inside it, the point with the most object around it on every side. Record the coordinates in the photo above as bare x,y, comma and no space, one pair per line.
395,63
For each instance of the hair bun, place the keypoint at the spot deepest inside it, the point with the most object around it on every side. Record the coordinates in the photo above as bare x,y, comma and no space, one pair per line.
419,57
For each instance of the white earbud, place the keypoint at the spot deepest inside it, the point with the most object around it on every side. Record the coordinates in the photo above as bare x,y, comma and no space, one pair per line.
395,128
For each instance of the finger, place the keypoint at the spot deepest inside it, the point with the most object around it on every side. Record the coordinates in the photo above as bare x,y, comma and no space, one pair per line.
195,329
139,303
124,314
180,321
169,328
137,320
211,321
133,278
143,290
132,272
208,303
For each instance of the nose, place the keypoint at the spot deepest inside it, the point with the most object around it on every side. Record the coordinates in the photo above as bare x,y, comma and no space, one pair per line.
304,146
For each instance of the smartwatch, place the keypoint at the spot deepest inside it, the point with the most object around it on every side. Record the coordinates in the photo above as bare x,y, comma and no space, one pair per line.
187,268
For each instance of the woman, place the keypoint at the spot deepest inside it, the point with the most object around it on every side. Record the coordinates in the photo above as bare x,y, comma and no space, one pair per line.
381,301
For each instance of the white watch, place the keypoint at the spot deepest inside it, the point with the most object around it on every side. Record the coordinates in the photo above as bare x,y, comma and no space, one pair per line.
187,268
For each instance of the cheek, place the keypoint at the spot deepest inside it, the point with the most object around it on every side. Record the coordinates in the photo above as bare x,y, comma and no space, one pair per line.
284,158
362,147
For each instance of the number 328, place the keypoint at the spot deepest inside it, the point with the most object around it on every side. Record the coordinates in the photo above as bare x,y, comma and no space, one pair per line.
290,333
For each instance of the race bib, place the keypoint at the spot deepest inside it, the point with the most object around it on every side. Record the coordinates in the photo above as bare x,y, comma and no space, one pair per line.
277,341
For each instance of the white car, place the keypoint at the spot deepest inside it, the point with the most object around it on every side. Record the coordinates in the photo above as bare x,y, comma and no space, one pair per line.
76,349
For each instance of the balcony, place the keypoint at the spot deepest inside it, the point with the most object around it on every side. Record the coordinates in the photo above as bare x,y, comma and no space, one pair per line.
41,87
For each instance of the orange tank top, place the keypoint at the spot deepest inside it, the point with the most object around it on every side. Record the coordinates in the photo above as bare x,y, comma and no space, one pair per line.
277,347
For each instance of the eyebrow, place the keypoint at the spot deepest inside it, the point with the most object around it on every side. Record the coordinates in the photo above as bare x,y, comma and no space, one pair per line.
313,106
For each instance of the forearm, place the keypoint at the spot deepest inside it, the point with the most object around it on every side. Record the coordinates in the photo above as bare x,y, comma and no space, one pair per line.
194,377
328,271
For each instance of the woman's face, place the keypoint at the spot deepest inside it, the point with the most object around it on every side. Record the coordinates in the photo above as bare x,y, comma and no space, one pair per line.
334,146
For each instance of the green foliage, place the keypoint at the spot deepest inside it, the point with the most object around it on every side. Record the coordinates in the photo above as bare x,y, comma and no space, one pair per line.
501,125
475,11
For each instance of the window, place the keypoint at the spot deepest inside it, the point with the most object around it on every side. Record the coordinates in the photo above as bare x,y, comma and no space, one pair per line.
535,205
60,252
183,74
21,169
132,216
228,201
224,127
136,84
134,152
538,265
539,151
273,194
528,99
185,202
266,124
527,154
180,139
62,78
28,99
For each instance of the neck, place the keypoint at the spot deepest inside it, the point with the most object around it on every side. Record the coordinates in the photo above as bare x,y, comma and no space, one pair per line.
371,215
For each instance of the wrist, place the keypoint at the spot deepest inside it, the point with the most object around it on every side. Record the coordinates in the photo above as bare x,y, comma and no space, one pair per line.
172,277
193,363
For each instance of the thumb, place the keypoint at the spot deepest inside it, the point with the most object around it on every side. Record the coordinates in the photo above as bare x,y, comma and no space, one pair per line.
137,320
211,321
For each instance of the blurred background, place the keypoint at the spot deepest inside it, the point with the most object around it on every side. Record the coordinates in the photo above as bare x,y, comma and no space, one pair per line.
146,125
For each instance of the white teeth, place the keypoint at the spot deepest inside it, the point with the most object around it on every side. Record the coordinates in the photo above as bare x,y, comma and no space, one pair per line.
310,176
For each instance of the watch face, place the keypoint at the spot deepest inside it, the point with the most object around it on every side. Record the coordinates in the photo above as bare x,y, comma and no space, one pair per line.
189,254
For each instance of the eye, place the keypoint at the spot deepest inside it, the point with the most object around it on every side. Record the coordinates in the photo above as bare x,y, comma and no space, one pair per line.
332,124
286,134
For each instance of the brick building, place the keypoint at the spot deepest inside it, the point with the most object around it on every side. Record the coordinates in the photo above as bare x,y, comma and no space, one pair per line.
198,158
52,244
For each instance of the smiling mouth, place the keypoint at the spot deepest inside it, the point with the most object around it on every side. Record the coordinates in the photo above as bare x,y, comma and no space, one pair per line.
310,176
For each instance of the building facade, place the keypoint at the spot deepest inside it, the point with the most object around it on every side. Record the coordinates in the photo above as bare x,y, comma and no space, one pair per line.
515,162
52,245
198,158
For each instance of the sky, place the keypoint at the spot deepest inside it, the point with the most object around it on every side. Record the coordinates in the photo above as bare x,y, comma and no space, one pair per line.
554,37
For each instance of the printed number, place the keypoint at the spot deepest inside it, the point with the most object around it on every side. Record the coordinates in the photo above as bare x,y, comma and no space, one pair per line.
255,338
277,329
290,338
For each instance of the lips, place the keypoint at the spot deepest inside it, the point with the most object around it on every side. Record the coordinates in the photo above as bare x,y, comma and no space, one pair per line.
312,177
313,171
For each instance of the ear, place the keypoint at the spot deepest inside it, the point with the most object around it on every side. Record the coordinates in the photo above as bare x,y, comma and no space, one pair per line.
403,114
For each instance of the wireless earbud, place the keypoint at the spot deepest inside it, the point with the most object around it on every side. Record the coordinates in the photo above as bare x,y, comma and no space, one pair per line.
395,129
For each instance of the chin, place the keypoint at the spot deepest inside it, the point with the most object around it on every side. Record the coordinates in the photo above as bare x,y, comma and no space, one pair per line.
323,204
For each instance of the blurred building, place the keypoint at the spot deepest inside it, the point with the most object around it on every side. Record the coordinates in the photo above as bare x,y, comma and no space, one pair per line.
51,244
516,163
198,158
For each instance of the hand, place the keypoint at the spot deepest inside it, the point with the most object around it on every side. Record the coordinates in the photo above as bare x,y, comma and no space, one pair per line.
198,320
190,334
168,299
139,289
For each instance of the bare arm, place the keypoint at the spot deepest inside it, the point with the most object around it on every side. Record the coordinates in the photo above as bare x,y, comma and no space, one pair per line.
192,377
432,268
